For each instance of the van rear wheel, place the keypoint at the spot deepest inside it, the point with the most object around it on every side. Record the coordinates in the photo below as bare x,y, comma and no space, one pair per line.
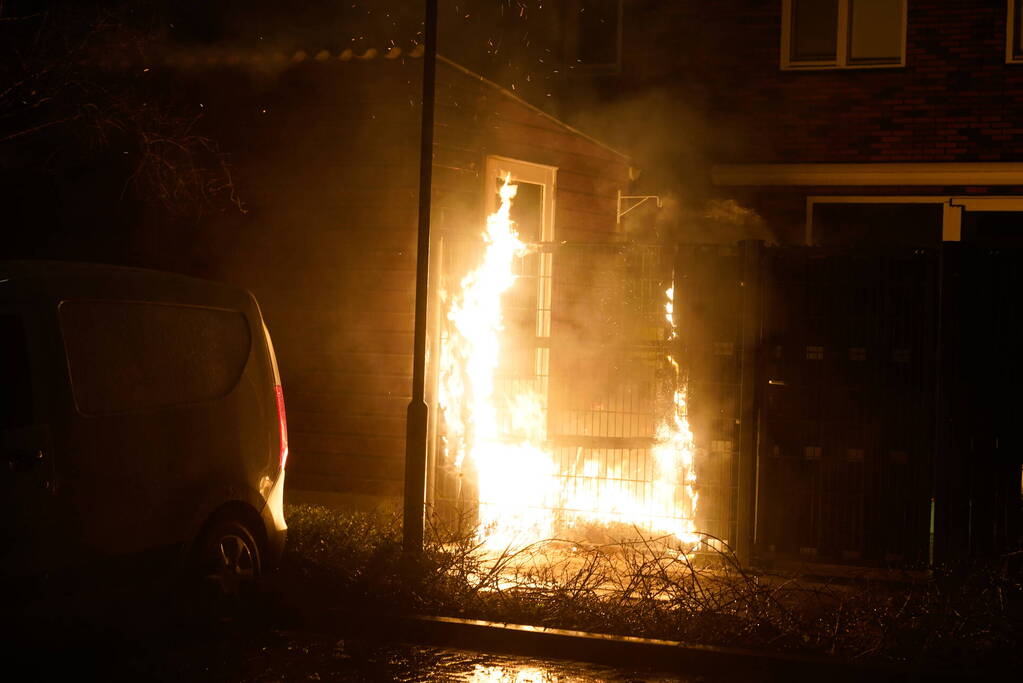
229,564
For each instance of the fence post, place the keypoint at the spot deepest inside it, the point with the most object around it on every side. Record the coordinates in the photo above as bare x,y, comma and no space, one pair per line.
750,393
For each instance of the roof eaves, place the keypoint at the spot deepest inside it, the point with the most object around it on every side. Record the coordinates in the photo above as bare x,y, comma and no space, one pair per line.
236,58
534,108
189,58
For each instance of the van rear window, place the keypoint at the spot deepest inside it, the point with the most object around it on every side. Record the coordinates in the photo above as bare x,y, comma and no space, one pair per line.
16,385
131,356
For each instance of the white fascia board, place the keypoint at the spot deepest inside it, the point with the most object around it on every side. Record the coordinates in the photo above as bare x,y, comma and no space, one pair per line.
953,174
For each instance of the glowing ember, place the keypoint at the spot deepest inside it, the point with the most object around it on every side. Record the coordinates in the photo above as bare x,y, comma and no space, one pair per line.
499,438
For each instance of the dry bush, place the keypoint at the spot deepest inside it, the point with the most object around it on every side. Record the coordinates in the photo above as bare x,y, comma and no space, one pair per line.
647,587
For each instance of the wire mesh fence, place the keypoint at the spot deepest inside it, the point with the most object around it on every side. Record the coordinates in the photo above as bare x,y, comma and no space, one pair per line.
605,364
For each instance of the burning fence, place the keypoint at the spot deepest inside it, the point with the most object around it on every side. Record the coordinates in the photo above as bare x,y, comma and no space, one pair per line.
817,379
576,435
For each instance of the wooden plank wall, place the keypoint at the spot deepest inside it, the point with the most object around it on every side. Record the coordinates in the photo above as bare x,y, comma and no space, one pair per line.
475,119
328,243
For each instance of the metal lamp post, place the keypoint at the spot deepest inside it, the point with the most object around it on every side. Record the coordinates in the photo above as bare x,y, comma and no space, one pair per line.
413,528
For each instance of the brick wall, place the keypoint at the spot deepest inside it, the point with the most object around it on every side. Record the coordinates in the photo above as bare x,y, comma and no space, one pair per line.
955,100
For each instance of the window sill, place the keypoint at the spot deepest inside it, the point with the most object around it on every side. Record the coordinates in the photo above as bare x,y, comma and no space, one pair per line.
595,70
843,67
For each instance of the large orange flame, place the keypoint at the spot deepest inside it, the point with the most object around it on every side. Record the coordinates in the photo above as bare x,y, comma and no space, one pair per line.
501,437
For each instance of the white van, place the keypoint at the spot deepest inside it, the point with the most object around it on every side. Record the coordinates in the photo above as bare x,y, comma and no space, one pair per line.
141,414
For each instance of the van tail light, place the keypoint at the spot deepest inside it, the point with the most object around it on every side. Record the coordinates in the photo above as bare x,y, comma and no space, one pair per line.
282,421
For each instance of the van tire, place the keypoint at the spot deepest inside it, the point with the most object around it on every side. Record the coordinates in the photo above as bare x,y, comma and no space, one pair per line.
229,563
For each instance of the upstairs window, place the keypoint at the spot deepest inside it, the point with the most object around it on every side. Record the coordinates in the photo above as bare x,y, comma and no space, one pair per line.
843,34
594,35
1014,32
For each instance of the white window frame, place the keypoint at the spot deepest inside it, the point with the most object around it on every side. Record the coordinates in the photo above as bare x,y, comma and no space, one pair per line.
841,60
527,172
952,213
1010,34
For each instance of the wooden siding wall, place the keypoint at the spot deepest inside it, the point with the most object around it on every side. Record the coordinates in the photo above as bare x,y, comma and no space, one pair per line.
475,119
326,156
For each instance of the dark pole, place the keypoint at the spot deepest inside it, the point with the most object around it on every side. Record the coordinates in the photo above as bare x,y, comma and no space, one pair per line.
416,418
750,392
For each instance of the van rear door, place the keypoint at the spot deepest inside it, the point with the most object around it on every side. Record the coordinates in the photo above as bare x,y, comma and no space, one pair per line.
157,411
27,485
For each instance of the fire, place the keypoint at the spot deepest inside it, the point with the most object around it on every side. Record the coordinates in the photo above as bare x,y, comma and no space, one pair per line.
498,437
673,452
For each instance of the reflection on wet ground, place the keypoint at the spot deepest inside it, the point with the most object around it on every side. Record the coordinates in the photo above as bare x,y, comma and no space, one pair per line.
301,656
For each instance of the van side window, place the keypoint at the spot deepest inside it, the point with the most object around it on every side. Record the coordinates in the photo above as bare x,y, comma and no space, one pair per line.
16,402
132,356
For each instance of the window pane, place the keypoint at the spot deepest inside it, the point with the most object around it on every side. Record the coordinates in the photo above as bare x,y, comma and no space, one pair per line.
1017,29
993,228
598,32
527,210
127,356
814,30
16,386
868,225
520,302
875,31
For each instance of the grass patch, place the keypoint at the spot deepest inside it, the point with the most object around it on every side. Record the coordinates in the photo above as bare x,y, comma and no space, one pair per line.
964,617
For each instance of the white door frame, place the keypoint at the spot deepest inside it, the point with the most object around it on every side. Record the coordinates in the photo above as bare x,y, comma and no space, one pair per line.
527,172
545,177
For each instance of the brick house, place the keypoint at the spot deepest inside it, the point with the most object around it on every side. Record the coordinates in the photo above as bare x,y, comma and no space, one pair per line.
886,433
846,121
827,150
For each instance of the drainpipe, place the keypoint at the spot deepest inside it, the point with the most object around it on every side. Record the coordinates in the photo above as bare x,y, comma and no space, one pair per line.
417,417
750,397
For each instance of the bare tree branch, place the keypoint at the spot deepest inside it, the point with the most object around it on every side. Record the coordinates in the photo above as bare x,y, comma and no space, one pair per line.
50,79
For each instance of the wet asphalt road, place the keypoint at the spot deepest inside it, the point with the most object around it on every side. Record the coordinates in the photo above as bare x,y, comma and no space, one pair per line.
235,653
132,640
85,637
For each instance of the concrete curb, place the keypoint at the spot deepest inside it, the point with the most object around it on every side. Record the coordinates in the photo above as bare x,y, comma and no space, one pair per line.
721,663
